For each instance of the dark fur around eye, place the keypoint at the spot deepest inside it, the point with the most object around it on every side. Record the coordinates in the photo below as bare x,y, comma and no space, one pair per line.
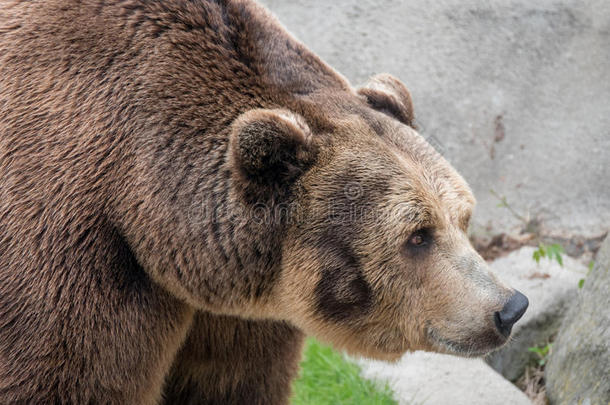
419,241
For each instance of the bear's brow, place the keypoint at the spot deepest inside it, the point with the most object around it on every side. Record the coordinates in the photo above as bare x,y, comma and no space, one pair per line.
414,214
463,214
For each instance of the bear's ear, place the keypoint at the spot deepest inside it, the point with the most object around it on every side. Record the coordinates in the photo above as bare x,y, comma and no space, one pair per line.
387,94
270,148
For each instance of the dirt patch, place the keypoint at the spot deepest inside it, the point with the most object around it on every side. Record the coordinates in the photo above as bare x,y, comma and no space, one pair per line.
532,384
500,245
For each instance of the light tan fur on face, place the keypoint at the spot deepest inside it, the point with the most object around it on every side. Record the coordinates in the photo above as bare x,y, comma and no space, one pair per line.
443,300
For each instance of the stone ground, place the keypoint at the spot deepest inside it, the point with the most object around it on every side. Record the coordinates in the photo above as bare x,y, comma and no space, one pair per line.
438,379
441,379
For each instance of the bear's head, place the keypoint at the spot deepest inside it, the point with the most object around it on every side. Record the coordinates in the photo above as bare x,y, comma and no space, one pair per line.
374,252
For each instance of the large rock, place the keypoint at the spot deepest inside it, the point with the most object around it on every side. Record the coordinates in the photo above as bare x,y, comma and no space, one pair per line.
578,371
551,290
515,93
437,379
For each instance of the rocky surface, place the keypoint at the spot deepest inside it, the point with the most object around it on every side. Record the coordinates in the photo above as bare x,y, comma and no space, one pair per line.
515,93
551,289
578,371
437,379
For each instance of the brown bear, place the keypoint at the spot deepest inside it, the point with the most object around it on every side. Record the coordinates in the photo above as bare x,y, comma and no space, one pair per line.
186,191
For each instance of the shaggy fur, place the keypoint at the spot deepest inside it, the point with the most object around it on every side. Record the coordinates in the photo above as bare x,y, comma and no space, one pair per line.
185,190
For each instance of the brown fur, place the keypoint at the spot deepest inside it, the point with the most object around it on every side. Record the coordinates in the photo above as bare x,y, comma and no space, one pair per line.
229,361
185,188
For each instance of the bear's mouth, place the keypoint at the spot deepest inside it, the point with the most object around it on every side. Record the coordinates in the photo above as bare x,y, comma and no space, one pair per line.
476,346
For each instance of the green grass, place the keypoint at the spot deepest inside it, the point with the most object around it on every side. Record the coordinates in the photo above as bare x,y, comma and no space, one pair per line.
327,378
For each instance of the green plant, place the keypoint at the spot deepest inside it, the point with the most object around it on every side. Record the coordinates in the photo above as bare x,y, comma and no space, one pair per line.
551,252
581,282
541,352
327,378
504,204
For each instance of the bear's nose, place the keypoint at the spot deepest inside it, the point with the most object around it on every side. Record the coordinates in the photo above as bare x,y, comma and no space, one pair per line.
513,310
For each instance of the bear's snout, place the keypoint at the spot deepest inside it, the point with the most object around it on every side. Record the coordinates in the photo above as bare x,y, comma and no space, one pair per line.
512,311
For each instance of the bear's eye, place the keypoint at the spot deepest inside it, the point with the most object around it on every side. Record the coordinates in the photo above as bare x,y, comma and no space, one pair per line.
419,238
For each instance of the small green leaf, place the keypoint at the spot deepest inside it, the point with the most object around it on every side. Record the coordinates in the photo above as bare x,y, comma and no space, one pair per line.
559,259
557,251
543,250
551,252
542,352
537,256
581,282
590,266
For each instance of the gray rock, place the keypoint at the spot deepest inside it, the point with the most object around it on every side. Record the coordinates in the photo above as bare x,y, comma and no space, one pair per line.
437,379
515,93
578,370
551,290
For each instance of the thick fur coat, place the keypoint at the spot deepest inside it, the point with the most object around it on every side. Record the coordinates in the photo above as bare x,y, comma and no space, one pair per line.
177,181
